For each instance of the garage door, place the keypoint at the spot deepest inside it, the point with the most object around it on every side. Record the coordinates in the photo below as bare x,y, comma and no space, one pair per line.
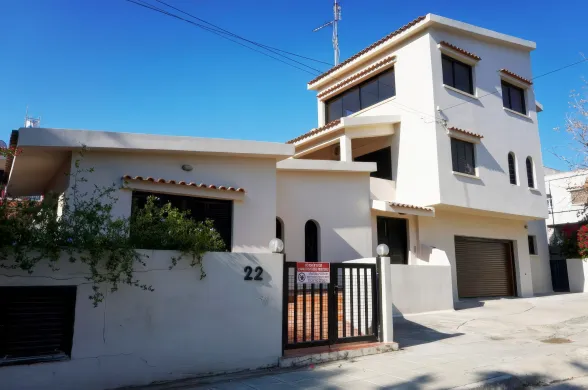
484,267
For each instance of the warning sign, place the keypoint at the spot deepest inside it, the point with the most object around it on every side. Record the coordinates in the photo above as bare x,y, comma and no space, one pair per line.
312,273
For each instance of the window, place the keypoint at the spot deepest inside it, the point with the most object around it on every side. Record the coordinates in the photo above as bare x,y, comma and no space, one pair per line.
579,196
370,92
532,245
201,209
394,233
462,154
549,203
36,323
512,169
530,174
513,98
383,159
458,75
279,229
311,241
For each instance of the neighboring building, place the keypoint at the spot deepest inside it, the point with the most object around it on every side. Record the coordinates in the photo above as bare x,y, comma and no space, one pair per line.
427,141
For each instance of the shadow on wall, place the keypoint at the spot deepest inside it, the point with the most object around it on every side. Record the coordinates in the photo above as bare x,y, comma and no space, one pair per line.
408,333
486,160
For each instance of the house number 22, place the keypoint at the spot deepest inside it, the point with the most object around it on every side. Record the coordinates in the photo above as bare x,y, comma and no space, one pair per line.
248,270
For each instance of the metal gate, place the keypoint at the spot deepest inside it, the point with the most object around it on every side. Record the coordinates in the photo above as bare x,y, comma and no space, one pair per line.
345,310
559,275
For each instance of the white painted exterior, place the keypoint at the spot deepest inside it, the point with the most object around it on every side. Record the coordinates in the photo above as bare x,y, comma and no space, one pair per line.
559,185
578,275
186,327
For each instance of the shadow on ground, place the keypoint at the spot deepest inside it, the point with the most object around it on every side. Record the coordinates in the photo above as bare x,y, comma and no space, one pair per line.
408,333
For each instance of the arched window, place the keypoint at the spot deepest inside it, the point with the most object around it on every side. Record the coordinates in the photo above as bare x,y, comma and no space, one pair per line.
279,229
530,173
311,241
512,169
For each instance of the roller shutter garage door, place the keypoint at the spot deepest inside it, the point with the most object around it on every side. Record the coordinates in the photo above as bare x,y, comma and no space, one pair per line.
484,267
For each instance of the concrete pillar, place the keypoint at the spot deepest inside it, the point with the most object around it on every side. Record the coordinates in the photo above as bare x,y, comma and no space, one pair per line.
321,113
345,146
385,299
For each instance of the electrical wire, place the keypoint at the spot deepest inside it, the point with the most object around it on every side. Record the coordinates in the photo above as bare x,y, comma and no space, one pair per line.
220,29
162,11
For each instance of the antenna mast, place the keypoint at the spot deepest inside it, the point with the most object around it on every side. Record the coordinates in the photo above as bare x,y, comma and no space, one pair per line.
334,23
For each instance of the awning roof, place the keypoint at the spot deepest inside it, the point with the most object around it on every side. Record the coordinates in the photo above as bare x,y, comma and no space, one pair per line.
402,208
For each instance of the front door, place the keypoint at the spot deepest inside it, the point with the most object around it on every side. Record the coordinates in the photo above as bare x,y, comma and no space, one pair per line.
394,233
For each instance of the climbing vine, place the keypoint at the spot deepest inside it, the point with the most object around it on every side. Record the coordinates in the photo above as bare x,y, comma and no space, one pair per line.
80,226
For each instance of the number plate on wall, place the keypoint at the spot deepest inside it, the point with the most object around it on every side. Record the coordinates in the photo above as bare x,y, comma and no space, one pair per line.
313,273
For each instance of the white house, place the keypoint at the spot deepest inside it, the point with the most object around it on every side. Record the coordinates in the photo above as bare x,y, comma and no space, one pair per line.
427,141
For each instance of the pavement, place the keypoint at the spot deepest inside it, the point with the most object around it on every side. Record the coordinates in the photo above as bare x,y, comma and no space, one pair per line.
539,342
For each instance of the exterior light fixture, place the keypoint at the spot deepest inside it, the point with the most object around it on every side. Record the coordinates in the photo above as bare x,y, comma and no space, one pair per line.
276,245
187,167
382,250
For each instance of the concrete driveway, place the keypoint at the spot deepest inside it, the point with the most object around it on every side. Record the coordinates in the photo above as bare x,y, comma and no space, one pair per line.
503,343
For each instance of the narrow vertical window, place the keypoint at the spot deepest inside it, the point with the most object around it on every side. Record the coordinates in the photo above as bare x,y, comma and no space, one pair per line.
279,229
512,169
530,173
311,241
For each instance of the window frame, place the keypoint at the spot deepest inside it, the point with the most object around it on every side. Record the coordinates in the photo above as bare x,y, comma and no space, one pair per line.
309,257
530,168
532,242
358,87
455,142
512,169
509,86
453,61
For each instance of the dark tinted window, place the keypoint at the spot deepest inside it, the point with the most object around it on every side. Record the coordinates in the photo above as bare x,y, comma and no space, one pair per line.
512,171
530,176
370,92
394,233
462,154
311,241
383,158
457,74
201,209
36,323
279,229
513,98
532,246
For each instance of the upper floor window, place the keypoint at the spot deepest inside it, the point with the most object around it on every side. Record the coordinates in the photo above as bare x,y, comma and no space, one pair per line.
530,173
370,92
513,98
463,158
458,75
383,159
219,211
512,169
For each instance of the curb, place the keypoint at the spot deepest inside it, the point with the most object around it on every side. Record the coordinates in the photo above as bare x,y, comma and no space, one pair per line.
502,382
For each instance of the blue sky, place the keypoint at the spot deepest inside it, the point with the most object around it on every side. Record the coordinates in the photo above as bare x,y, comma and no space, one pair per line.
112,65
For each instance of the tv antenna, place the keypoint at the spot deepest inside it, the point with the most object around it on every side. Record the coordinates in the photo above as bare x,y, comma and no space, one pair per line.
31,121
334,22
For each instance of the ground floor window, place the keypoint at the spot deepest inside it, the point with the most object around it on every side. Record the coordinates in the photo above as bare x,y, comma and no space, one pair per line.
220,211
394,233
311,241
532,245
36,323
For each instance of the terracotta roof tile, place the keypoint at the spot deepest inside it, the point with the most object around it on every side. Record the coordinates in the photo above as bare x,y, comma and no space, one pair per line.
461,51
370,47
410,206
356,76
466,132
516,76
183,183
315,131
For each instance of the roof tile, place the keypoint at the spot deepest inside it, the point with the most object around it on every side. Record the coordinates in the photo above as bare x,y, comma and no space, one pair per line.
183,183
410,206
461,51
467,132
516,76
315,131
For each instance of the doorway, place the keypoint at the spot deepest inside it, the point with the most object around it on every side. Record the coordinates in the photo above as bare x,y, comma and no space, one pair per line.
394,233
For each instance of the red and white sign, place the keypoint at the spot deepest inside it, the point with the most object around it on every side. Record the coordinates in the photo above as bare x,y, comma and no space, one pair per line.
313,273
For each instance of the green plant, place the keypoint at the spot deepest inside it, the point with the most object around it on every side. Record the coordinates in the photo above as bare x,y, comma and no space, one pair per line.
80,225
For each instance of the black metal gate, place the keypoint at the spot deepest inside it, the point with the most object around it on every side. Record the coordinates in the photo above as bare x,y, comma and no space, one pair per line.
345,310
559,275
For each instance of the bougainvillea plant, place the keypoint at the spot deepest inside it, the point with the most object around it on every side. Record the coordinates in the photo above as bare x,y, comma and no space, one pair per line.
583,241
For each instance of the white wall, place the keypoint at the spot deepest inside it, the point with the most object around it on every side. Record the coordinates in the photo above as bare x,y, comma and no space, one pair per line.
421,288
437,238
186,327
578,275
253,217
563,209
503,132
540,268
338,201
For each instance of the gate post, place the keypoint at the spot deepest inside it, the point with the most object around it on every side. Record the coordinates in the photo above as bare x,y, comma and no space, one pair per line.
385,299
